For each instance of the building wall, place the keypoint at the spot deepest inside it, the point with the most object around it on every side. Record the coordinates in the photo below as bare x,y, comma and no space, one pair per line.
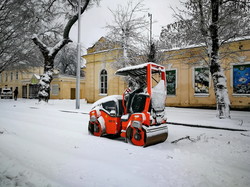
65,88
96,62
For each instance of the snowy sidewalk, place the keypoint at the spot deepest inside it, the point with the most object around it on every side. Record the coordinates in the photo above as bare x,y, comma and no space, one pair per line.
240,120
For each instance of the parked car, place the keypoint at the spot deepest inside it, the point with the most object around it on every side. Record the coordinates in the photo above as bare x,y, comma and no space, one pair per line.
6,93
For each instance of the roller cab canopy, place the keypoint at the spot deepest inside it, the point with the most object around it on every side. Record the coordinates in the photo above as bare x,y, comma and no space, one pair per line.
139,70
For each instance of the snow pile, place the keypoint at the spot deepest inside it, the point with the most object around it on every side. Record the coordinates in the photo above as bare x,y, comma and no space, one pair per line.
158,101
159,96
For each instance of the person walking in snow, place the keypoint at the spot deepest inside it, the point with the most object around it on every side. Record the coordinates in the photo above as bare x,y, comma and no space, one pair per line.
15,93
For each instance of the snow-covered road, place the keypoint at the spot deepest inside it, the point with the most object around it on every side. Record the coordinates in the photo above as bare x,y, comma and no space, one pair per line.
42,146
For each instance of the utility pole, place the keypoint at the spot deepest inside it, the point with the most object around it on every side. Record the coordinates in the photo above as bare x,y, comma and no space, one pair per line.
151,55
78,57
150,29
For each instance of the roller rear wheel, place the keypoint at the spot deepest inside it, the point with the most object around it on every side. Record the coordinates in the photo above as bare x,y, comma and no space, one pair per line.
95,128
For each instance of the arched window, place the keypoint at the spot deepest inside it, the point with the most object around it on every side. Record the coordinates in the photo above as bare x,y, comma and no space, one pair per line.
103,82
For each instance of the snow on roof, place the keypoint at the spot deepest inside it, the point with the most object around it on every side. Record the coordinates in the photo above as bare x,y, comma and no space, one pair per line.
203,44
36,76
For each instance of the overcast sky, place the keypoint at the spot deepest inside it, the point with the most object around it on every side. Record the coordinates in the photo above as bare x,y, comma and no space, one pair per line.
95,19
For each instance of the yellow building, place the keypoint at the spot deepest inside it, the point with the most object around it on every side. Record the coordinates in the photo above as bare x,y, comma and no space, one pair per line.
100,74
192,82
26,80
189,82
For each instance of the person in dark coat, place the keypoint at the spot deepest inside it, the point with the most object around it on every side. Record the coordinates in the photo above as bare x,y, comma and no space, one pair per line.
15,93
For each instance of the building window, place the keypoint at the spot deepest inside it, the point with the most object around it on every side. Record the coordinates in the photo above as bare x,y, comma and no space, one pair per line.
201,81
241,79
6,77
33,91
171,82
17,75
103,82
55,89
11,76
24,92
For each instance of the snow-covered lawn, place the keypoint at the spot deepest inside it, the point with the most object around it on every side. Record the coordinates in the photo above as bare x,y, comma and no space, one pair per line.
49,145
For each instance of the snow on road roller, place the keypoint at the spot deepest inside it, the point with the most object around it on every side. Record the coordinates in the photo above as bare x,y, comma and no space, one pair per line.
139,114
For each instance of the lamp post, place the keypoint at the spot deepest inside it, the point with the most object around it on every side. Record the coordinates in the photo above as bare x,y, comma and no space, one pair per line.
78,57
151,55
150,30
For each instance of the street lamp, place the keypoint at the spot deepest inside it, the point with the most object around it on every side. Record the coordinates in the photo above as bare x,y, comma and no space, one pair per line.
78,57
150,30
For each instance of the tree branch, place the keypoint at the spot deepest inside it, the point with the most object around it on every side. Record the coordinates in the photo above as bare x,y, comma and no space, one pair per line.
50,5
41,45
183,138
58,47
202,20
72,21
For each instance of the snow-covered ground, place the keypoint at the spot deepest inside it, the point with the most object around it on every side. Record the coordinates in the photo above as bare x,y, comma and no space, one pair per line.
49,145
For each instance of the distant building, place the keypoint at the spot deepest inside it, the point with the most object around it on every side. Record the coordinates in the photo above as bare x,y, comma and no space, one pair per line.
26,80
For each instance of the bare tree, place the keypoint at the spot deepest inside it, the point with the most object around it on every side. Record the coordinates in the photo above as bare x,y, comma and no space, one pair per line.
129,30
15,45
211,23
51,35
128,26
66,60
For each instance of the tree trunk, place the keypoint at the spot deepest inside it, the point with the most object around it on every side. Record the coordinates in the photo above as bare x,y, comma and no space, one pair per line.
44,85
219,79
152,52
46,77
49,56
